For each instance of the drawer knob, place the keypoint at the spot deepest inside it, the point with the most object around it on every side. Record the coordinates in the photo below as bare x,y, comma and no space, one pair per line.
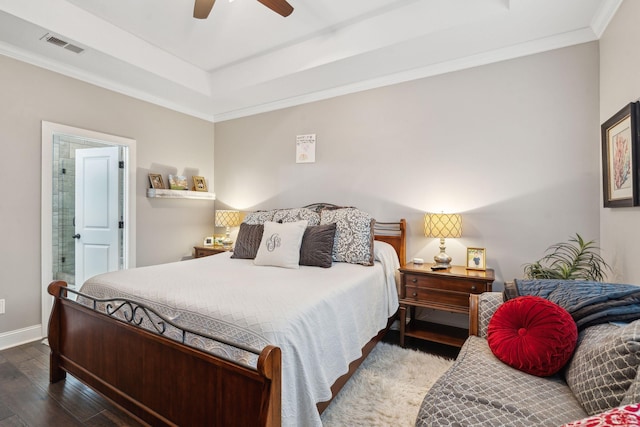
415,294
473,287
414,280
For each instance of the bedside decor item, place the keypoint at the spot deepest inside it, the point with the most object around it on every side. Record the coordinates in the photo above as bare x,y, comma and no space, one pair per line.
199,184
208,241
156,180
228,219
573,260
620,158
442,226
178,182
476,259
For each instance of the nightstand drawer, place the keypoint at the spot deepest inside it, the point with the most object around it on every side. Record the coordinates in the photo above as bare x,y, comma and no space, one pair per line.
437,297
450,284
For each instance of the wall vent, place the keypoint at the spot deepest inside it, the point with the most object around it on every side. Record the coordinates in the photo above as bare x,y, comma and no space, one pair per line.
50,38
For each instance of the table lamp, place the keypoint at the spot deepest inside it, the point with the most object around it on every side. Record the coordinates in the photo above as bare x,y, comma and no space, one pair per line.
442,225
228,219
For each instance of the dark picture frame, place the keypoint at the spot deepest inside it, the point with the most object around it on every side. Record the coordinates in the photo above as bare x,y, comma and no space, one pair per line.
620,158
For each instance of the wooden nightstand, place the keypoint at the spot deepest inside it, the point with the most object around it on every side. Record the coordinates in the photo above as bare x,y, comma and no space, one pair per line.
202,251
446,290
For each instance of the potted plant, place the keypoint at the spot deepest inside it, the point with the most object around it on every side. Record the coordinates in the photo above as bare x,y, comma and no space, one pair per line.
576,259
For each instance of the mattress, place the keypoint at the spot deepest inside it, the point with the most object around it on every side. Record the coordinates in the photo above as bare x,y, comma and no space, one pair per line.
319,317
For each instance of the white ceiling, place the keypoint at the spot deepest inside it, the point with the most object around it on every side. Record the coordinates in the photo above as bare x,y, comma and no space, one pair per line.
245,59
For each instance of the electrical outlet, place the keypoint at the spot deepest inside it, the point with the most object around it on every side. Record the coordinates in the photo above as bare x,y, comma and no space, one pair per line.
2,306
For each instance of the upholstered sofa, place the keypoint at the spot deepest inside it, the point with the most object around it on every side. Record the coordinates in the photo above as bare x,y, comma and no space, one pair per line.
481,390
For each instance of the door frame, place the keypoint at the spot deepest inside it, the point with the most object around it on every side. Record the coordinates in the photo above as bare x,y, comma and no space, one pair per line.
49,129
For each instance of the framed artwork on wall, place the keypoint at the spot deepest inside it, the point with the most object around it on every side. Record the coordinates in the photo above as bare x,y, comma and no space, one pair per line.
178,182
199,183
476,259
156,180
620,158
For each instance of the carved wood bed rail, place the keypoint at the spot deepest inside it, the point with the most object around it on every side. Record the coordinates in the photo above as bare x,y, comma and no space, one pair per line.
166,381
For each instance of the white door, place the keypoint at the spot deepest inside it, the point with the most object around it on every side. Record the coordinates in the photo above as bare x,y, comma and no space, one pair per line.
96,212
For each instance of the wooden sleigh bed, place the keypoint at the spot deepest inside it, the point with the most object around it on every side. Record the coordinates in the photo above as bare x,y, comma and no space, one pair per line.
162,380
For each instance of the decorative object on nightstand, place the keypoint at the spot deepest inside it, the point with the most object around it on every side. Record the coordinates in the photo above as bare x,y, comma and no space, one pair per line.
445,290
476,259
227,218
442,226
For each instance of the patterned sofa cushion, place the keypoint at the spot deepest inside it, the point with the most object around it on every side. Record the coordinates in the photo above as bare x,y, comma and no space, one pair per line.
480,390
605,365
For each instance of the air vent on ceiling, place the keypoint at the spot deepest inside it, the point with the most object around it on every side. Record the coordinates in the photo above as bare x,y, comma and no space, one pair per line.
49,38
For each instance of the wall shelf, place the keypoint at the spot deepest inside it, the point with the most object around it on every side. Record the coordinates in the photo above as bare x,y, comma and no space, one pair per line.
179,194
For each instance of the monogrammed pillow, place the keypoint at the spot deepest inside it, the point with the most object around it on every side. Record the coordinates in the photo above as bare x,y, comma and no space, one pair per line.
280,244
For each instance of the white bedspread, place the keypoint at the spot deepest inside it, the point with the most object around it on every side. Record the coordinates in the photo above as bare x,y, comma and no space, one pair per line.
320,318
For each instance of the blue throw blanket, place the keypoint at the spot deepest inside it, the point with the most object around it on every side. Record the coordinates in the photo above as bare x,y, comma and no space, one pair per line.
589,303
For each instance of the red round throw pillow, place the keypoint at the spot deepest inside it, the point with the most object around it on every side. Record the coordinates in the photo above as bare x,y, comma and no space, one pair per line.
532,334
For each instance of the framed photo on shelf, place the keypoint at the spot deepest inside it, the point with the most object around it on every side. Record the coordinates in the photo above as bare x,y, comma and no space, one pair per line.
156,181
476,259
199,183
178,182
620,158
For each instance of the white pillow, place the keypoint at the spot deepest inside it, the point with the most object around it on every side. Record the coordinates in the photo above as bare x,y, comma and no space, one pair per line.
280,244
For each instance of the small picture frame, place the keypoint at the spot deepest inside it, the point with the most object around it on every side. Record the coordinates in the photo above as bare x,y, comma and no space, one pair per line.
155,179
476,259
199,183
208,241
620,158
178,182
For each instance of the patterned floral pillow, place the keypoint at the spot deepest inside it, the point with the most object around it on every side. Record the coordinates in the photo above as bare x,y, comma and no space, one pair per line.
296,214
622,416
604,365
258,217
354,235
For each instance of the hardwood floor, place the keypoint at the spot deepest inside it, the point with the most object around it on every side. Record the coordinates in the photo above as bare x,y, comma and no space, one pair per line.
27,399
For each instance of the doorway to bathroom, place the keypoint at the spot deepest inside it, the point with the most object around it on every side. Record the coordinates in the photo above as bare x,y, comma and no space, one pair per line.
88,206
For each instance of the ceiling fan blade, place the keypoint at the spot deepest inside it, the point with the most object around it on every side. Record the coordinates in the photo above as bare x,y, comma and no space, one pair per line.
281,7
202,8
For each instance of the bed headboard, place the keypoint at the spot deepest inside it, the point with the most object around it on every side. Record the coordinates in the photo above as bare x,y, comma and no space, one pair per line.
393,233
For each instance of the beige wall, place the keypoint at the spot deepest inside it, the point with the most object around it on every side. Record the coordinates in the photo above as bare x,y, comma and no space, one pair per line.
167,142
620,85
513,146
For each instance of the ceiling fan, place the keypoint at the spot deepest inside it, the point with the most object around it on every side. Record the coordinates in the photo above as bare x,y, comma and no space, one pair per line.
202,8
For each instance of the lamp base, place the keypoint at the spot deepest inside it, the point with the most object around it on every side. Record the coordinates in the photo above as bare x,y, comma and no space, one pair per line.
442,259
227,242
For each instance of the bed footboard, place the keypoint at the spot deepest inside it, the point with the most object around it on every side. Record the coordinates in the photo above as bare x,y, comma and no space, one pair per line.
157,379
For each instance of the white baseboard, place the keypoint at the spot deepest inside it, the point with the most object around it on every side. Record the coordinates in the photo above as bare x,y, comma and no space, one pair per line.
20,336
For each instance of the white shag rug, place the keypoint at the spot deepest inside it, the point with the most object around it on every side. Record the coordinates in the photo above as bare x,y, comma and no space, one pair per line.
387,389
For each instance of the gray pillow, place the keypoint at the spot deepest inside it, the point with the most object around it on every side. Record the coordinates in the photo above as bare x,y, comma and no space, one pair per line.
248,241
258,217
604,365
354,235
317,246
296,214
